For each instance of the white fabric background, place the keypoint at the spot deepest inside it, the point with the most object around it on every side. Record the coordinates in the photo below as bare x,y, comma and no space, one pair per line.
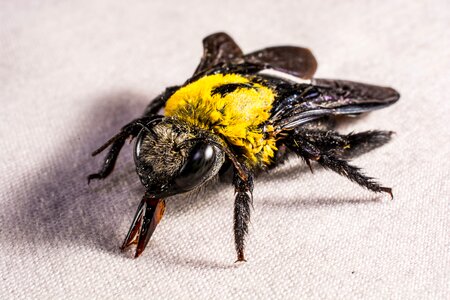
71,74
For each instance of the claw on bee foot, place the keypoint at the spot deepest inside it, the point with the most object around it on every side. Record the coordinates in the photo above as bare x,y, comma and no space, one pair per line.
240,258
387,191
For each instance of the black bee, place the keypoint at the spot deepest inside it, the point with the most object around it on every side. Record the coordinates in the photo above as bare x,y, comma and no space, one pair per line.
246,111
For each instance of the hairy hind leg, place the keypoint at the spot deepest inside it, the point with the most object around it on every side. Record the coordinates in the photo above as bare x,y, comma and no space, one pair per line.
323,150
363,142
342,167
346,145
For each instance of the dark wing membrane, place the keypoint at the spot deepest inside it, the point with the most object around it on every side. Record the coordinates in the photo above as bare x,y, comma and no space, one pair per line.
218,48
222,54
301,103
296,61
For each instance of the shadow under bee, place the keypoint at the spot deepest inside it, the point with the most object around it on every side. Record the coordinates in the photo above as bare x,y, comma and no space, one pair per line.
57,206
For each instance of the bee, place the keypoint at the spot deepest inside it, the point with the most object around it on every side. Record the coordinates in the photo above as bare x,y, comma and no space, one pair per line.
247,112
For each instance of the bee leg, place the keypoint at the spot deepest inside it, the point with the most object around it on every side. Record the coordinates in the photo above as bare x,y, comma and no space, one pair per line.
309,150
363,142
342,167
116,142
303,148
345,145
157,103
132,129
147,217
242,205
110,159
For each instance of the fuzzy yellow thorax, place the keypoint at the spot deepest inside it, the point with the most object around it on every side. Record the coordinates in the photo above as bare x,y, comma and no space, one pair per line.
236,116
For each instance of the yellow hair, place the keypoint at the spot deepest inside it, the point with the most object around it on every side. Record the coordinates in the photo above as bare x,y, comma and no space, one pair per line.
236,116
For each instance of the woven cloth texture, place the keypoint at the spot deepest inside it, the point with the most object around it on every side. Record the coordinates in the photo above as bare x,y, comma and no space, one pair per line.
73,72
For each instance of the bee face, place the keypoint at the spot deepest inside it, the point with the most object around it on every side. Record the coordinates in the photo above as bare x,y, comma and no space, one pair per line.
171,158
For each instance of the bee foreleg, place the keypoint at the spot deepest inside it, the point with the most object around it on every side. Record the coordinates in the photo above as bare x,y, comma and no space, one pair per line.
242,206
110,159
116,142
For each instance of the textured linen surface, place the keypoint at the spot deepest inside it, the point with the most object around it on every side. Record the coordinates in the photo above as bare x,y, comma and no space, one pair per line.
72,73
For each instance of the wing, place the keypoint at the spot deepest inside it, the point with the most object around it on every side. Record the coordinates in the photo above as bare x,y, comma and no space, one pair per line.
301,103
296,61
218,48
220,52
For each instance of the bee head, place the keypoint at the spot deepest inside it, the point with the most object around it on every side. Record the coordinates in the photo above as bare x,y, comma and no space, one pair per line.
173,158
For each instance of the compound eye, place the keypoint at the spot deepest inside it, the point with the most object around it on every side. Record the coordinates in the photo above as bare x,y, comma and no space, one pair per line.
198,165
138,145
